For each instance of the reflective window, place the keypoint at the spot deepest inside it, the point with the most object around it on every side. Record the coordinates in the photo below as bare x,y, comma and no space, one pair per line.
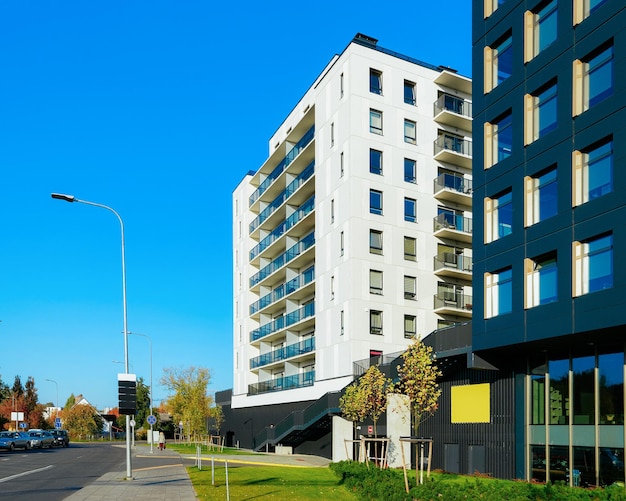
410,170
376,161
376,282
498,216
499,293
583,390
611,382
376,322
593,173
376,202
409,92
409,248
541,280
498,140
498,62
410,209
376,122
599,77
410,132
376,242
376,81
559,394
541,196
409,326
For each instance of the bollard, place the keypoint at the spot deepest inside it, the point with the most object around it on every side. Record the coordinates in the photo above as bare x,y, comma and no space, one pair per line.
227,489
212,470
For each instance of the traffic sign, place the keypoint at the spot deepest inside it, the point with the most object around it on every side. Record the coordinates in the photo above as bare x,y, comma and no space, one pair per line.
152,420
23,425
57,423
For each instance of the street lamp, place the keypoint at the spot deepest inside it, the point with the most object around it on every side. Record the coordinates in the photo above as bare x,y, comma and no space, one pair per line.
71,199
150,341
57,384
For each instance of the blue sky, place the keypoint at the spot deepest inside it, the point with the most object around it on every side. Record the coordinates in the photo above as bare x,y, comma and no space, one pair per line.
157,109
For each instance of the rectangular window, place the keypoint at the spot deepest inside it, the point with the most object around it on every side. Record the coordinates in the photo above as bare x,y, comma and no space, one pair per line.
376,162
498,139
410,287
376,322
593,265
410,132
409,248
332,288
541,280
409,326
541,196
409,92
541,113
490,6
376,282
498,62
498,216
341,242
540,29
376,122
592,173
376,81
332,134
341,164
593,80
341,320
376,202
332,211
341,85
410,210
410,170
498,293
584,8
376,242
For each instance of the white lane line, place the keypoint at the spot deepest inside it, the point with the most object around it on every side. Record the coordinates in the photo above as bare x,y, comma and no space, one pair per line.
6,479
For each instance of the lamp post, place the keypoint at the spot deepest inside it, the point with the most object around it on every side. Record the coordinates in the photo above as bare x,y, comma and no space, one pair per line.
57,384
72,199
150,395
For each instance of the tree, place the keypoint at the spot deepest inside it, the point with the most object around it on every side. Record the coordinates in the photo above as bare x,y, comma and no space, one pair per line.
352,404
190,402
17,390
218,417
143,403
33,410
375,387
82,421
418,380
71,400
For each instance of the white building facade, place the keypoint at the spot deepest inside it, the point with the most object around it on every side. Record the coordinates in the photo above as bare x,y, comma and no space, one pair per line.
354,236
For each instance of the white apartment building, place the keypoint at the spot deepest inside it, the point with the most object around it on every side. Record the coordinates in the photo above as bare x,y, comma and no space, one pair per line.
354,236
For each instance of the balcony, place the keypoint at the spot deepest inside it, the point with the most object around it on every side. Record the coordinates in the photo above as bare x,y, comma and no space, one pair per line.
283,383
453,188
284,290
453,80
454,111
454,227
280,323
453,303
284,353
452,265
454,150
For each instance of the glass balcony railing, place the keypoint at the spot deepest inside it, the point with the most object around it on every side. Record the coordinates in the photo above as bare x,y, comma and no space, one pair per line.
453,261
283,383
454,104
306,346
284,195
455,182
293,317
303,211
283,290
294,251
284,163
453,222
448,142
453,299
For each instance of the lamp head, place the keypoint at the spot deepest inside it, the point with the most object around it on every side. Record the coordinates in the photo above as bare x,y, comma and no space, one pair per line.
61,196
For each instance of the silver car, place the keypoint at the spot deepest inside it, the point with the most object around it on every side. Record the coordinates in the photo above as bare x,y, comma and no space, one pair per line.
11,440
40,439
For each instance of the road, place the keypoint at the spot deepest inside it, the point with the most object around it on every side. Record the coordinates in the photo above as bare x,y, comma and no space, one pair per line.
54,474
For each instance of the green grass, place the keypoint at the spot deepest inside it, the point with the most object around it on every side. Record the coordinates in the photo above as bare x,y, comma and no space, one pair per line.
187,449
271,483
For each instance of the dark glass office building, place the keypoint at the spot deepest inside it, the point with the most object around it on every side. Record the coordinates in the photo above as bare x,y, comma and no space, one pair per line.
549,246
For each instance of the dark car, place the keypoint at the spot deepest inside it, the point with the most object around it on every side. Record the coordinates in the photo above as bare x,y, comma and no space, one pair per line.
61,438
11,440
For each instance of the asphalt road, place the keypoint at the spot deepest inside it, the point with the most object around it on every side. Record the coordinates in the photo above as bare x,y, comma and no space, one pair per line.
54,474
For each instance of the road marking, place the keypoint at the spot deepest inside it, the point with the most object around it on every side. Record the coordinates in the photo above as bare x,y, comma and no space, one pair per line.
6,479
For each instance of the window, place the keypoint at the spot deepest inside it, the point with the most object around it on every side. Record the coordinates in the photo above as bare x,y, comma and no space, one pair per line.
584,8
498,139
593,79
541,113
410,132
541,280
332,211
409,248
341,164
410,210
376,242
376,282
491,6
376,122
409,287
376,202
593,173
376,322
540,30
593,265
341,242
341,85
498,293
376,162
376,81
541,196
410,170
341,320
332,287
409,92
498,216
498,61
409,326
332,134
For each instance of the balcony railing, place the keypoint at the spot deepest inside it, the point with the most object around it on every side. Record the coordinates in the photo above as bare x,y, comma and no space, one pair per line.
303,211
292,350
452,299
294,251
448,102
453,261
283,383
293,317
447,142
284,195
453,222
283,290
284,163
455,182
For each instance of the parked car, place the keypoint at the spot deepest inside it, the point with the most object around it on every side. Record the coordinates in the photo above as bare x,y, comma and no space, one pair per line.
40,439
11,440
61,438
